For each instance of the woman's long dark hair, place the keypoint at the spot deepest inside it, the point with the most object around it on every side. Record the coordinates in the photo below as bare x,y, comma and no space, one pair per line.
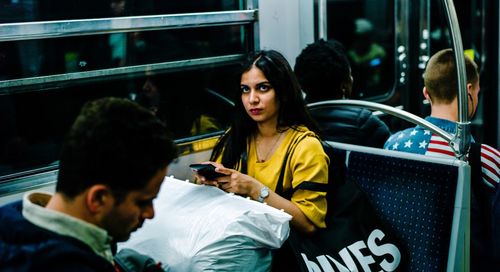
292,107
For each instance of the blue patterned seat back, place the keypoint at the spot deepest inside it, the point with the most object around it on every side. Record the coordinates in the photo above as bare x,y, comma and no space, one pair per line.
416,198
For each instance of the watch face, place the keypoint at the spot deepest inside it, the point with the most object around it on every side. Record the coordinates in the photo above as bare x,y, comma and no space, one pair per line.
264,192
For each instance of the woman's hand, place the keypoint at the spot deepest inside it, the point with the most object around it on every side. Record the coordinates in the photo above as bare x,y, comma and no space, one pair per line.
232,181
236,182
200,179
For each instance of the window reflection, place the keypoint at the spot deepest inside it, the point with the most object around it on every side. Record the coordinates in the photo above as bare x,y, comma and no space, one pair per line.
85,53
36,115
34,123
469,14
367,57
366,28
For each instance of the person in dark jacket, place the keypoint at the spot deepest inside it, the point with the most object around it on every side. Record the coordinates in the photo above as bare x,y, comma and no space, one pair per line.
113,162
324,73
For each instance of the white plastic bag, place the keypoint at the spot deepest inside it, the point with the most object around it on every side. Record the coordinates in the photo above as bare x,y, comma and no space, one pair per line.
202,228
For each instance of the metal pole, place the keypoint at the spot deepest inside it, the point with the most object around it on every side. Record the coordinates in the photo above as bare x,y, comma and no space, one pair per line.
461,140
322,20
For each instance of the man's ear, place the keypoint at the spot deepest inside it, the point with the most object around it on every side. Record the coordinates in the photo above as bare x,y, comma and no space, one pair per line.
426,95
469,88
98,198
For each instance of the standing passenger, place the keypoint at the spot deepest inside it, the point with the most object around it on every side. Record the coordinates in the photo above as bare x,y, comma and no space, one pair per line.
113,161
440,89
324,73
271,121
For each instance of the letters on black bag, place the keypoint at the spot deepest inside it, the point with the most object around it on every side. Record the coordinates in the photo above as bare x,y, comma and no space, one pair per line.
355,238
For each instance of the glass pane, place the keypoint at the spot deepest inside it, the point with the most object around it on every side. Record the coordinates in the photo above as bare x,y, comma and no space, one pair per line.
31,58
366,29
33,10
471,17
470,20
33,124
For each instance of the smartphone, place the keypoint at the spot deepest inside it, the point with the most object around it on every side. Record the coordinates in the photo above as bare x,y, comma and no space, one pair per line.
206,170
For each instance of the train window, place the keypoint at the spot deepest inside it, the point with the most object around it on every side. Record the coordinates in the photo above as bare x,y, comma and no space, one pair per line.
47,10
180,66
470,15
188,101
366,28
86,53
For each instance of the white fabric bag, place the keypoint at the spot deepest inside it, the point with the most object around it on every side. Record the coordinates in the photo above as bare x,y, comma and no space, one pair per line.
202,228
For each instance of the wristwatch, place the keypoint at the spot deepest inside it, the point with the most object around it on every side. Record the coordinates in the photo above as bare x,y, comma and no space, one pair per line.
264,192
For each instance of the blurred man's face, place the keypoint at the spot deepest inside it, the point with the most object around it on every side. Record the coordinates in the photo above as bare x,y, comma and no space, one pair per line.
133,210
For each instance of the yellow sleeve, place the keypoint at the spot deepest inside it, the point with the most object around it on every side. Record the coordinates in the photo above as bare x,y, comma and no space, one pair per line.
309,168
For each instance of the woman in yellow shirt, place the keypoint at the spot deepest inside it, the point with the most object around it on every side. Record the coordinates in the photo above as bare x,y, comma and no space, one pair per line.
271,122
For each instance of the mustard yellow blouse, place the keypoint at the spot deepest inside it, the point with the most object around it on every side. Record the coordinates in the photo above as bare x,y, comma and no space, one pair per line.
307,162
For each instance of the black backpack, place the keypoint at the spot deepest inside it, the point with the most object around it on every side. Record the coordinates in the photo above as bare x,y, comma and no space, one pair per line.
350,218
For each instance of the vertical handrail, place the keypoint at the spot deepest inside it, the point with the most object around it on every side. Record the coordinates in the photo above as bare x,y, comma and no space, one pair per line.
461,140
322,20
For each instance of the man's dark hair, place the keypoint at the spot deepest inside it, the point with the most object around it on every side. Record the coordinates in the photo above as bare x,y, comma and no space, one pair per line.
321,68
115,142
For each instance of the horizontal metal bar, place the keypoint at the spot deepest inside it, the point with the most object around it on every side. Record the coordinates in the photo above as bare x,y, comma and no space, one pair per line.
66,28
43,82
220,96
386,109
27,183
47,176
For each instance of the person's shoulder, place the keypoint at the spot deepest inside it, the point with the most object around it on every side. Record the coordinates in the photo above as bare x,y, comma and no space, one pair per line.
491,152
11,207
301,133
55,253
350,115
302,138
407,138
368,119
490,160
69,254
400,135
340,117
486,158
10,214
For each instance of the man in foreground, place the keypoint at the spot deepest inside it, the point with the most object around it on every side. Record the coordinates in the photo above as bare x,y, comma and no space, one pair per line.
113,162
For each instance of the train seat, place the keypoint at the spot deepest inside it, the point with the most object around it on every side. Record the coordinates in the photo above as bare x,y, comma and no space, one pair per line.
424,200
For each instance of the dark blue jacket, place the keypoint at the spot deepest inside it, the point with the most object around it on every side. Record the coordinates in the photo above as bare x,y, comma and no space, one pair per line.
27,247
352,126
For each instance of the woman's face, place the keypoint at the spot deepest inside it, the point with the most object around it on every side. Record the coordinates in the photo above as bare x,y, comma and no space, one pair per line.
258,96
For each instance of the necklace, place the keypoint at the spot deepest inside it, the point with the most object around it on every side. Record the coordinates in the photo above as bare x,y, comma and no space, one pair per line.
266,157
